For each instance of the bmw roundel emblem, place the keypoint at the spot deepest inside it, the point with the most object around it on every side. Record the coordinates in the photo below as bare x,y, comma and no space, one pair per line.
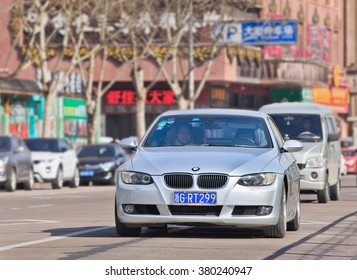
195,168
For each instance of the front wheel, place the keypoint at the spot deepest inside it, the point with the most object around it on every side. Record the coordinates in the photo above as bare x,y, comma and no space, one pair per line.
30,181
123,230
11,183
58,182
279,230
324,195
335,191
74,183
294,224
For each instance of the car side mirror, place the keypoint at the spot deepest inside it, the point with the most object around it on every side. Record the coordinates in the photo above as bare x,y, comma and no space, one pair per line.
63,150
128,143
333,137
292,146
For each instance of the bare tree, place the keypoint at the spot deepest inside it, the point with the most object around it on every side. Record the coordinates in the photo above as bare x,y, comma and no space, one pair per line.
194,17
50,29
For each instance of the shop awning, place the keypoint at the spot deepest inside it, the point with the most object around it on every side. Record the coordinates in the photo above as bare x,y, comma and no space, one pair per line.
19,86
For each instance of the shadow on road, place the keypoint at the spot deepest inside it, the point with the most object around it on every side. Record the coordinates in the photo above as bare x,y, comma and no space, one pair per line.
340,233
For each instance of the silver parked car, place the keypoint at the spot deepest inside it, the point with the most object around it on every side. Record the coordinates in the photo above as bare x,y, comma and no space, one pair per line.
213,167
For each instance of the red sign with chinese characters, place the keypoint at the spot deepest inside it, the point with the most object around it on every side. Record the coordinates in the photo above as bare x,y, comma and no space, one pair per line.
127,97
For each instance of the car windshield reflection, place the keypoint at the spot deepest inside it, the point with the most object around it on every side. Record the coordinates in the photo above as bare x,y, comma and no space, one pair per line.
209,130
96,151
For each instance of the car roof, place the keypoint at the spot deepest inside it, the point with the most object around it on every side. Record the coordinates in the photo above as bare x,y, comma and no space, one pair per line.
297,108
43,138
223,112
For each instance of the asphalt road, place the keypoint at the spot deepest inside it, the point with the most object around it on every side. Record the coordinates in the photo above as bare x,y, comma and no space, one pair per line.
78,224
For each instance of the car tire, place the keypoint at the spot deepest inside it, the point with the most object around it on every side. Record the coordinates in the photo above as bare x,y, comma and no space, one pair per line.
279,230
294,224
11,183
58,182
30,183
324,195
74,183
123,230
335,191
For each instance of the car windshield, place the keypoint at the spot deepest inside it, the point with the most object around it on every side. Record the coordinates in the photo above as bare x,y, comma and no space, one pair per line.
349,153
96,151
305,128
4,144
42,145
210,130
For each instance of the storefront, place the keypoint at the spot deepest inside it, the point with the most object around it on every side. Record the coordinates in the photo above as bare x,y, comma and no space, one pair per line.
290,95
72,122
20,108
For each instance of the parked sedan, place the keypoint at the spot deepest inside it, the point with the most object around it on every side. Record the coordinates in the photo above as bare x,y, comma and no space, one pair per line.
15,163
210,167
54,161
98,162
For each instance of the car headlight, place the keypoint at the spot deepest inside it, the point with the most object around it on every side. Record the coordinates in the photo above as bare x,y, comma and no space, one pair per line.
136,178
262,179
106,166
315,162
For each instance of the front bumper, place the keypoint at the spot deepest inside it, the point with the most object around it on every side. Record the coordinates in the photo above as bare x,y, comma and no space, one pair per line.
45,171
308,182
98,174
228,198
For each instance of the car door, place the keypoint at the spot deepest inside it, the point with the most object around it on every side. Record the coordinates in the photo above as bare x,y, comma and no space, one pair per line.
288,162
334,152
69,158
19,158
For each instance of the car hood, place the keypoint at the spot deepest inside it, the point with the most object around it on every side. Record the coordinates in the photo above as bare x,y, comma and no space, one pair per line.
228,160
45,155
94,160
309,150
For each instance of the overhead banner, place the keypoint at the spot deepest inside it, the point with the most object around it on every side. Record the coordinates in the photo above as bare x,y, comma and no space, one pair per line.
277,32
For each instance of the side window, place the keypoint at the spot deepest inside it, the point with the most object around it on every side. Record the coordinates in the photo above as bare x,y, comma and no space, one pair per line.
330,127
276,131
333,124
68,144
62,145
15,143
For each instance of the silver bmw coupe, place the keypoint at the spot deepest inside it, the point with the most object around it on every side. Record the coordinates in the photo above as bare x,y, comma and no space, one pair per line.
210,167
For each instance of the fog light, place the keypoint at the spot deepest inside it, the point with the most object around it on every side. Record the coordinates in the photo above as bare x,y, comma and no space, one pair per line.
129,208
314,175
264,210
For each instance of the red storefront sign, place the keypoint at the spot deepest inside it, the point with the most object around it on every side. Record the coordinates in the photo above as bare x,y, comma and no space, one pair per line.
19,129
127,97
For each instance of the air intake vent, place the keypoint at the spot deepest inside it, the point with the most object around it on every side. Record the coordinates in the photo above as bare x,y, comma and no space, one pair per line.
195,210
212,181
179,181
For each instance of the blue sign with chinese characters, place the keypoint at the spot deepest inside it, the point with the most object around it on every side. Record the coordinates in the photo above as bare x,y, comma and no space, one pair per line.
255,32
269,32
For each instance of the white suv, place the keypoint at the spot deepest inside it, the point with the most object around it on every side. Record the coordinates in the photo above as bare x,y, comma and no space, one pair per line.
55,161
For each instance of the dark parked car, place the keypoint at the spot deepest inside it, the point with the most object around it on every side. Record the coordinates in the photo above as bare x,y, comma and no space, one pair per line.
15,163
98,162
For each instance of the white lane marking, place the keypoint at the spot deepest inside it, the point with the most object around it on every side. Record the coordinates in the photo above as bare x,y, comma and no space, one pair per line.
49,239
14,209
40,206
24,222
313,223
60,196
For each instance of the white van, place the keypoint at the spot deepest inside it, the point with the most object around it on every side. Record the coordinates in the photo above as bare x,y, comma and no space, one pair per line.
319,161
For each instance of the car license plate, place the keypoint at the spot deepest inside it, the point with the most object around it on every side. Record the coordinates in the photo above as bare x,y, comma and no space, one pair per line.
195,197
86,173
